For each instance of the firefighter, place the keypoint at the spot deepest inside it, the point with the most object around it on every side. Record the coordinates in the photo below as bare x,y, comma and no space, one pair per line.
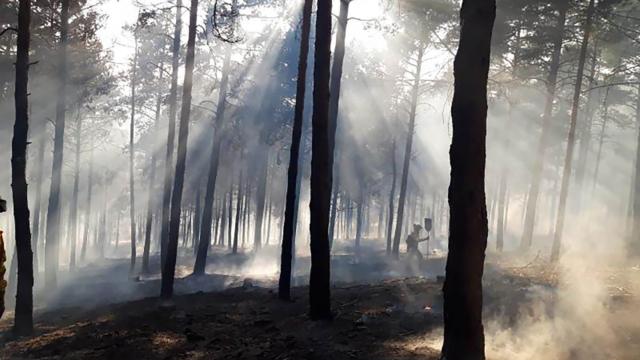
413,240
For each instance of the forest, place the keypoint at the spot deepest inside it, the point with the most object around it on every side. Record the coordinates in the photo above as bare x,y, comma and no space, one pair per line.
328,179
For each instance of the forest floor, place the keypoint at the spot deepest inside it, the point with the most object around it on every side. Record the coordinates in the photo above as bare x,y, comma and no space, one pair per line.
383,318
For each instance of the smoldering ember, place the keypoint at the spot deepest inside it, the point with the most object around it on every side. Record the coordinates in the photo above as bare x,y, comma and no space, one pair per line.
329,179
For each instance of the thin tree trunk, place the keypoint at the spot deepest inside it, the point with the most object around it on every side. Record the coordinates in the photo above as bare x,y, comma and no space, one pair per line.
37,214
197,220
534,189
169,269
23,323
73,209
223,223
132,198
415,91
605,119
261,194
171,134
152,181
52,244
566,175
236,231
334,104
207,212
230,220
502,190
87,221
463,330
359,220
634,242
247,214
293,188
585,129
335,198
392,196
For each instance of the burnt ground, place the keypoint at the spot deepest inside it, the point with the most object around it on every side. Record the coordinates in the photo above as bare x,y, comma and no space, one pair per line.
374,318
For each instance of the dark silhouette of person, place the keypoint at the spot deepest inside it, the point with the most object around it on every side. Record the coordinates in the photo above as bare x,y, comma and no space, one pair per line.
413,240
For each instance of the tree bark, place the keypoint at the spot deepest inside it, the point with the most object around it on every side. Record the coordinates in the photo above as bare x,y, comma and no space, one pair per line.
603,128
132,198
293,189
171,134
534,189
152,181
261,193
392,196
634,242
585,129
230,220
321,170
197,220
23,323
334,104
359,220
415,91
87,219
566,175
502,190
168,272
38,217
52,246
236,231
463,330
73,209
207,212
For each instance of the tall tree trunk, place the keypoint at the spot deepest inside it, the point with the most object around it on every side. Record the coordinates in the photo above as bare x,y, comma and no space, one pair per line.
261,194
37,213
415,91
171,134
585,128
52,245
267,234
359,220
169,269
132,198
197,220
334,103
247,214
534,189
230,220
634,241
23,324
603,128
321,170
566,175
236,231
223,222
463,330
87,219
335,199
293,189
207,212
380,220
73,209
152,181
502,190
392,196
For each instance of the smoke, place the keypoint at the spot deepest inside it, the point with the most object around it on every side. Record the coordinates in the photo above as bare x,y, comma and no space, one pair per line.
586,312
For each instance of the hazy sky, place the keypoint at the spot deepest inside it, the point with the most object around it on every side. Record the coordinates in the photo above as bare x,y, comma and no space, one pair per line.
123,12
